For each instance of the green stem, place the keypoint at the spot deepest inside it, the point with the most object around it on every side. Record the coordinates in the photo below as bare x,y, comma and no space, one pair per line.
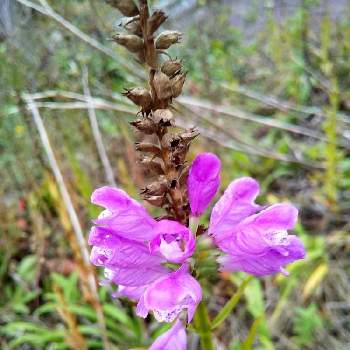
203,327
230,305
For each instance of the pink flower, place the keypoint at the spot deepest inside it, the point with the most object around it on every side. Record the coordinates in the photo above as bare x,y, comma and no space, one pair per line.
171,294
203,182
173,339
133,248
255,239
175,242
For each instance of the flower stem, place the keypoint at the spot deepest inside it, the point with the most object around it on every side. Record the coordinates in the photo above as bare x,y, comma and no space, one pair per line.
203,327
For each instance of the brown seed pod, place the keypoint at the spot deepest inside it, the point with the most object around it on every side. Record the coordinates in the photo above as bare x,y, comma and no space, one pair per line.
162,86
188,135
171,67
157,201
132,42
177,84
147,147
170,141
152,165
140,96
145,125
163,117
156,188
126,7
167,38
155,21
132,25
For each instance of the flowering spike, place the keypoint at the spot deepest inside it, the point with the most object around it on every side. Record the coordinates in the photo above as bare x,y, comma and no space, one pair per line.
203,182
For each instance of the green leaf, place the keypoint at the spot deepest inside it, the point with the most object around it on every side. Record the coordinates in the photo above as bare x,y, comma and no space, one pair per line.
230,305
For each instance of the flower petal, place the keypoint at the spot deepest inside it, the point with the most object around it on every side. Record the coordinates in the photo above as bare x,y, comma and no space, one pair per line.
169,295
111,250
203,181
123,214
173,240
173,339
260,244
236,204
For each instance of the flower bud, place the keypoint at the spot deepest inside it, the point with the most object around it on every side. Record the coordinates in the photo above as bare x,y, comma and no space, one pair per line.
171,67
162,86
140,96
147,147
145,125
167,38
163,117
152,165
132,42
177,83
132,25
203,181
155,21
126,7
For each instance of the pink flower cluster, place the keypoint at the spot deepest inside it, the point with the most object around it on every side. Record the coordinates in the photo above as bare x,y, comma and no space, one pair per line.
135,249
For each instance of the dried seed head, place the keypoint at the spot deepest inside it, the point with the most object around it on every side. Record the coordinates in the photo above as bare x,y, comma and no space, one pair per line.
132,42
152,165
171,67
155,21
139,96
167,38
177,84
157,201
188,135
132,25
163,117
126,7
170,141
156,188
145,125
162,86
147,147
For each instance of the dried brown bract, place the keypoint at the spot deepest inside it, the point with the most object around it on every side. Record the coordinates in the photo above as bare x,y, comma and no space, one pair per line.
171,67
126,7
155,21
132,42
140,96
167,38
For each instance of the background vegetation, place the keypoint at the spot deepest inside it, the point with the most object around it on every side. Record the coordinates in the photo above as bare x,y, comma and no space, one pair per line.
269,89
